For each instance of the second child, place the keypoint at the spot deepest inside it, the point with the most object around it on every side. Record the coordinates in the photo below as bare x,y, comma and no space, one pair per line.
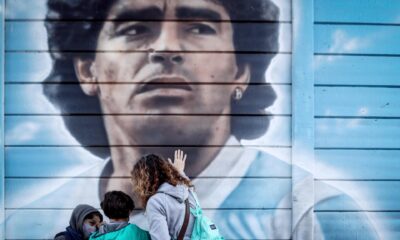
117,206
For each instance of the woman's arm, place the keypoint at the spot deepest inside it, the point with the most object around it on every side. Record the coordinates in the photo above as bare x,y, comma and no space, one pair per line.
156,216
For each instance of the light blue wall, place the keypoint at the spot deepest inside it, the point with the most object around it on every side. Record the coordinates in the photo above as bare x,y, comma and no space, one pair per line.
357,96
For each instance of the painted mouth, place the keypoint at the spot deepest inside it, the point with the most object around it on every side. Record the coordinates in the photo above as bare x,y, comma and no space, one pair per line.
166,84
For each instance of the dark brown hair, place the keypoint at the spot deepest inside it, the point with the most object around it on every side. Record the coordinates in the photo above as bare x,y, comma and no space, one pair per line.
117,205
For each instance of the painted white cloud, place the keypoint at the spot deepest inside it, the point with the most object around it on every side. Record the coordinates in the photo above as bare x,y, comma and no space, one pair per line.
285,9
341,42
355,123
279,70
23,132
21,9
363,111
341,126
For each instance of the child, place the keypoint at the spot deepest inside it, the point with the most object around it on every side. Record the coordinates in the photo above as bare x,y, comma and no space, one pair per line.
117,206
84,221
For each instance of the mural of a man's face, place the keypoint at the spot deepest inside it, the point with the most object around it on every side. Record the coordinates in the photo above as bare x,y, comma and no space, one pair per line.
154,54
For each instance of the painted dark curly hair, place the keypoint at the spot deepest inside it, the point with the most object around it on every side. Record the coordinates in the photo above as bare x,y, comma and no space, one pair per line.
150,172
73,27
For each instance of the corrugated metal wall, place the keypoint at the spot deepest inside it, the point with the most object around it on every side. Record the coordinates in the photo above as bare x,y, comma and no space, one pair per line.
357,125
338,118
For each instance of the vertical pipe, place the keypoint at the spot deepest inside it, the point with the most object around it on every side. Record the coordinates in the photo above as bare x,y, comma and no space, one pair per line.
302,119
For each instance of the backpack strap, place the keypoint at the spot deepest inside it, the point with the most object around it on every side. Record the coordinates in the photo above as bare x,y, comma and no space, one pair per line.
195,197
185,222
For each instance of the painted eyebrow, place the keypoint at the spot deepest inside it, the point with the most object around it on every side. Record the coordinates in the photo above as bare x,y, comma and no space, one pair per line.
150,13
186,13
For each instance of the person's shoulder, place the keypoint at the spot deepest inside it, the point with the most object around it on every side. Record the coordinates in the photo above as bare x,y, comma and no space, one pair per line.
135,228
140,233
156,199
166,192
156,203
60,236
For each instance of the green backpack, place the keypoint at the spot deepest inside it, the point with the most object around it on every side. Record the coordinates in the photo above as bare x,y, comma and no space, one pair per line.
204,228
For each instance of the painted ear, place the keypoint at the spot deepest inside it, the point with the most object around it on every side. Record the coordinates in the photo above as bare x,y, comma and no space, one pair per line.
242,80
243,74
84,70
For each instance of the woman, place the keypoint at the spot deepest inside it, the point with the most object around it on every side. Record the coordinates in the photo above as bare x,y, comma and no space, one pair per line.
163,189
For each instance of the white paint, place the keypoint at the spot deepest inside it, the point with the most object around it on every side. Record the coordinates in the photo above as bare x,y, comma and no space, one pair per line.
341,42
23,132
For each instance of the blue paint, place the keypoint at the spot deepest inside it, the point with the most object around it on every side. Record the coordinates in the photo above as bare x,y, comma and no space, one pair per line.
357,164
27,67
302,116
16,9
357,11
368,195
2,160
49,161
352,39
357,133
36,130
357,70
357,102
16,34
348,226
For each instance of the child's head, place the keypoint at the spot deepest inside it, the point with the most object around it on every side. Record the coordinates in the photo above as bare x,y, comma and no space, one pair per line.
91,223
85,219
117,205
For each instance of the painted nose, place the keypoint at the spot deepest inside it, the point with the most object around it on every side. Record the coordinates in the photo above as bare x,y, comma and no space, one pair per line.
174,58
167,48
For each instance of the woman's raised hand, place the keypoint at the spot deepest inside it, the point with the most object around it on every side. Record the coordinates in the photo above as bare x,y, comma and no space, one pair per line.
179,160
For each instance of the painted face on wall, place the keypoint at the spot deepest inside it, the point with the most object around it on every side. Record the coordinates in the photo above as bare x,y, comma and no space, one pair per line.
172,65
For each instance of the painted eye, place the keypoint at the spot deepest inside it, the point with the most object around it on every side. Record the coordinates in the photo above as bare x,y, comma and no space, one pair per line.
201,29
135,30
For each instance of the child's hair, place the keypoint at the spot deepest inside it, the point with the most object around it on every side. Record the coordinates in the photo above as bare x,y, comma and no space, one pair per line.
117,205
91,215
